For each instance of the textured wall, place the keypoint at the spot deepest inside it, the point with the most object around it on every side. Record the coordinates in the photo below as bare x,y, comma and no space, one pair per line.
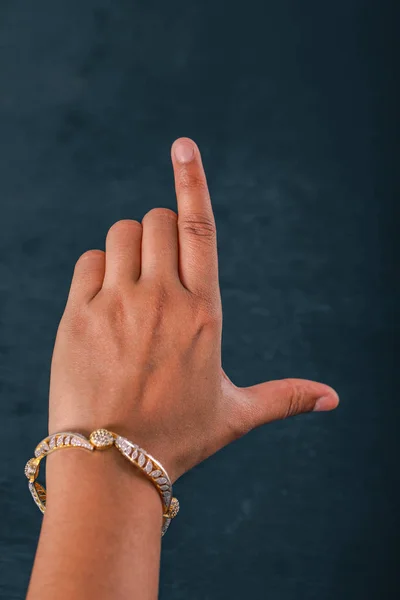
291,104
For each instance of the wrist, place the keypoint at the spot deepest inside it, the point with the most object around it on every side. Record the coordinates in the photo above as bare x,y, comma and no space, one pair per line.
101,482
99,513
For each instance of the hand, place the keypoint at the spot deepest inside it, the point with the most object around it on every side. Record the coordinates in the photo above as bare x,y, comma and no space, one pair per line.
138,349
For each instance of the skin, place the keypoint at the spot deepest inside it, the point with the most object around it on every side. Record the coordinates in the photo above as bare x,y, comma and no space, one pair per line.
138,351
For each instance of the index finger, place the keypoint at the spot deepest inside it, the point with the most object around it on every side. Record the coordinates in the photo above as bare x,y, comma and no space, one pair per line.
198,260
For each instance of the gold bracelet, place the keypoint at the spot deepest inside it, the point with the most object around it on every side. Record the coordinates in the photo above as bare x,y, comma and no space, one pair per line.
101,439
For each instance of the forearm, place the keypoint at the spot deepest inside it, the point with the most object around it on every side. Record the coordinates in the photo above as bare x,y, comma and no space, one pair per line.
101,533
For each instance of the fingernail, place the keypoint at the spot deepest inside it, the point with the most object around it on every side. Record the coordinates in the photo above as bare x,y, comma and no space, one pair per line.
326,403
184,151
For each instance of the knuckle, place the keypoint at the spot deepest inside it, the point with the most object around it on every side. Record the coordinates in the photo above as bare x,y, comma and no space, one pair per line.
113,310
213,314
89,256
74,322
294,394
162,214
189,182
115,299
199,226
158,294
209,315
124,225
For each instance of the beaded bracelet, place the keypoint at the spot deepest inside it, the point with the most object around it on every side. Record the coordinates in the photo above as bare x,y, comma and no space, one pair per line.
102,439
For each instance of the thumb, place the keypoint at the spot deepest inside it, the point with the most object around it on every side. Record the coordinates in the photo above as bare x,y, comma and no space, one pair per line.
283,398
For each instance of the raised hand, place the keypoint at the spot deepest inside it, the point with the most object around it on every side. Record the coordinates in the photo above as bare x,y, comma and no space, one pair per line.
138,349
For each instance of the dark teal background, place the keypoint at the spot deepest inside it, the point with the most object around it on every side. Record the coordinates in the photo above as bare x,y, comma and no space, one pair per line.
293,105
